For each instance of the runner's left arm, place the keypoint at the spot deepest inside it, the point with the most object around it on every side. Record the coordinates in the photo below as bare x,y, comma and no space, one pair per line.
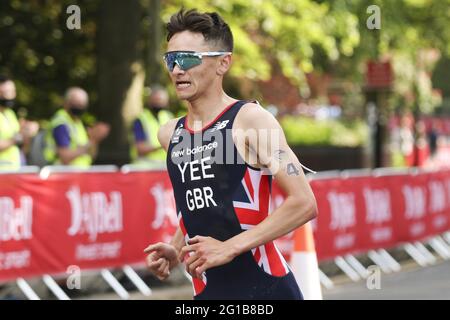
298,208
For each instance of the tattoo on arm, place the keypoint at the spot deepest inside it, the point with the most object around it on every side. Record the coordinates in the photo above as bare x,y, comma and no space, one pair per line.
279,155
292,170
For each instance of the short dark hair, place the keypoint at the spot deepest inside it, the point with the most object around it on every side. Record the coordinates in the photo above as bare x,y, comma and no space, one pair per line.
210,24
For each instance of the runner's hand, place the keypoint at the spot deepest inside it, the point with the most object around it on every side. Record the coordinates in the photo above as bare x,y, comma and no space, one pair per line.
162,258
205,253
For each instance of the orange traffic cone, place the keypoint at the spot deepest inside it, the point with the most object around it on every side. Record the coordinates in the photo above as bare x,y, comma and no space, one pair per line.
304,263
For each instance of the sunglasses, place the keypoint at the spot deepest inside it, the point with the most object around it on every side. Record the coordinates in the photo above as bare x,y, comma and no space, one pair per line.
188,59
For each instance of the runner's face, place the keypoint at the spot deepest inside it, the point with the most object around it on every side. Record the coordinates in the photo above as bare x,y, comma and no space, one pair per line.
193,82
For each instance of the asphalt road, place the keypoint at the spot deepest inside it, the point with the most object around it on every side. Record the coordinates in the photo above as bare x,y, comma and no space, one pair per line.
411,283
432,282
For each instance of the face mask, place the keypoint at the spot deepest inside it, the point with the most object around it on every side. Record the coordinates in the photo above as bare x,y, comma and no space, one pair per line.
7,103
155,108
77,112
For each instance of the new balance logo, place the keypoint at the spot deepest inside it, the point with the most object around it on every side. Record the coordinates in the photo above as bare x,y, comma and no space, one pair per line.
176,137
220,125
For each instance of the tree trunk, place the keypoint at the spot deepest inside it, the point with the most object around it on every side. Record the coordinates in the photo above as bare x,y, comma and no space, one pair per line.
154,41
120,74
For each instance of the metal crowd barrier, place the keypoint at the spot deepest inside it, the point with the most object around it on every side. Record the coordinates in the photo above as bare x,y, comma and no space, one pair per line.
348,264
106,274
418,251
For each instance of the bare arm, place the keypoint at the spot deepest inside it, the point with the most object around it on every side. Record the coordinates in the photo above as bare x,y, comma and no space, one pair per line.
5,144
275,154
298,208
143,148
163,257
178,240
96,134
67,155
165,132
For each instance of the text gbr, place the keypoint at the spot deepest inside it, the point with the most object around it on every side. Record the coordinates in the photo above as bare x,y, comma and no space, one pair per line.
198,198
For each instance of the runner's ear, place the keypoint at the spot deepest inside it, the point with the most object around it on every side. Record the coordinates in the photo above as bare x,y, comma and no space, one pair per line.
224,65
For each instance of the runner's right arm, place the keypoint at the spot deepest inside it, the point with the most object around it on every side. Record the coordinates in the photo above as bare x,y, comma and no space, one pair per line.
163,257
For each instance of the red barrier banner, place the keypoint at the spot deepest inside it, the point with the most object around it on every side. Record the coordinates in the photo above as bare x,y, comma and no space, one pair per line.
438,202
87,220
103,220
337,229
358,214
423,205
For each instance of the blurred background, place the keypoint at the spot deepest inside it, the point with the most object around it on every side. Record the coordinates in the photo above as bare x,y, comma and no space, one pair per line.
365,92
354,83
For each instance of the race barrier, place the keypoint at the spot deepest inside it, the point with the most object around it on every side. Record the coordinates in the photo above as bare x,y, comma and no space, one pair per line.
359,214
103,218
362,211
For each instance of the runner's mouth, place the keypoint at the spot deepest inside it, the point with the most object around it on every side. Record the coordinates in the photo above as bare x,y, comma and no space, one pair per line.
183,84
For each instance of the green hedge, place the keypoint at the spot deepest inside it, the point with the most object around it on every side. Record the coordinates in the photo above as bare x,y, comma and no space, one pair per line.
310,132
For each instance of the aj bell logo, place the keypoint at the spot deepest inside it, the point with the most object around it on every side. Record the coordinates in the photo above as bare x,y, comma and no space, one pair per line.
220,125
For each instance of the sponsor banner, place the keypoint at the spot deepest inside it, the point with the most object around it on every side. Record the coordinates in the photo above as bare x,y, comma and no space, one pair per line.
102,220
336,232
375,215
358,214
88,220
422,204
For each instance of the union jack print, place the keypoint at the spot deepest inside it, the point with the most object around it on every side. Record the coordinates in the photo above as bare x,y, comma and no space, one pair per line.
252,204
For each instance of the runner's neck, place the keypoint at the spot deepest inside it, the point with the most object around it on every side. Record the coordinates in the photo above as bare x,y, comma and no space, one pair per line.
201,113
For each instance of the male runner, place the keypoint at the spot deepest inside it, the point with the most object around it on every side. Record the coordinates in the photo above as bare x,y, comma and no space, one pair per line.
219,175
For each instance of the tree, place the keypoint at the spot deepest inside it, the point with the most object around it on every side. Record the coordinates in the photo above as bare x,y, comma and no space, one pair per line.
119,45
120,73
43,56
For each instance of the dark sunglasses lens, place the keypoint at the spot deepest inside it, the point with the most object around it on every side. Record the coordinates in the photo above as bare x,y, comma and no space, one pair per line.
184,60
169,58
188,61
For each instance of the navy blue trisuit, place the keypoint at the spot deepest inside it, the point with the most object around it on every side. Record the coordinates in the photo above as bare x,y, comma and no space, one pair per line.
219,195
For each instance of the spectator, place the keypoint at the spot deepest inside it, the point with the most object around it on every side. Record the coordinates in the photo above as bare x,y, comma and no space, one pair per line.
145,147
433,136
421,147
402,142
407,139
14,134
68,142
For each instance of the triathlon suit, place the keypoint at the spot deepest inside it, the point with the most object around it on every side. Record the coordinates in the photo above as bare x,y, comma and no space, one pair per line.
221,199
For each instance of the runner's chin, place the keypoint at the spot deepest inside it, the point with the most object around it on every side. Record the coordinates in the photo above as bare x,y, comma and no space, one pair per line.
184,90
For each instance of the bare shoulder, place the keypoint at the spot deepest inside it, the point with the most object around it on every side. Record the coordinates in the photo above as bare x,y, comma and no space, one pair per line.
253,115
165,132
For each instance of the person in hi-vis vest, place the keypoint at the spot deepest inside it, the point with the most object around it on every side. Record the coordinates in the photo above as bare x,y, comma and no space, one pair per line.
145,147
14,134
10,137
68,142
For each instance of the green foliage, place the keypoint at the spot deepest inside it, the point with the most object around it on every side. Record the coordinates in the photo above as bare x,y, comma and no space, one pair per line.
43,56
285,31
308,132
326,36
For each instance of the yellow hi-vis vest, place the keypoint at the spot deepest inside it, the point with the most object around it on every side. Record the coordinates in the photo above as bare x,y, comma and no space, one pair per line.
9,127
78,137
151,126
